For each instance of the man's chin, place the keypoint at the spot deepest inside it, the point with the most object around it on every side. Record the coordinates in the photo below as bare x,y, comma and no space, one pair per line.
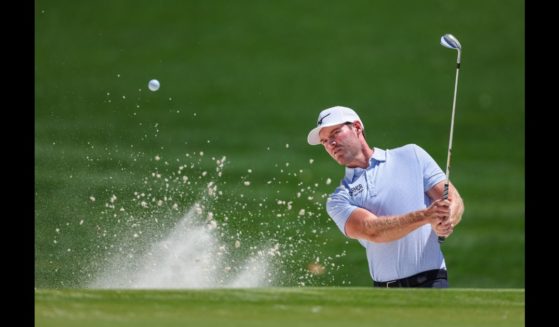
341,161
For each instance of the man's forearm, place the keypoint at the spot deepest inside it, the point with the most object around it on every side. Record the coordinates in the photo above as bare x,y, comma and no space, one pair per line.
391,228
363,224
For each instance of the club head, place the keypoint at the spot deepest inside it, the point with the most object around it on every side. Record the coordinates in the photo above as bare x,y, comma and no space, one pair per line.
449,41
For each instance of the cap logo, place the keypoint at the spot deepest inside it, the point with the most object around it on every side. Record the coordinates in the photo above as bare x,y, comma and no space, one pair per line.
321,119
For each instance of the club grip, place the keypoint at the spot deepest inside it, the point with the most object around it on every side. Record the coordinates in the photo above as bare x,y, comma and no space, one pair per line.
445,196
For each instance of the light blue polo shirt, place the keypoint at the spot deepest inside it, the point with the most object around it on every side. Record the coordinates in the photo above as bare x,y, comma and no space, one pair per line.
396,182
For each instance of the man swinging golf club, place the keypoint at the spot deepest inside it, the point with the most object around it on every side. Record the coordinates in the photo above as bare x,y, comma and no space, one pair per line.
391,201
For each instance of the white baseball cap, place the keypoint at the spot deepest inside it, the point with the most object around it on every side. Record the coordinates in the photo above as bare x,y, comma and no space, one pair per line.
330,117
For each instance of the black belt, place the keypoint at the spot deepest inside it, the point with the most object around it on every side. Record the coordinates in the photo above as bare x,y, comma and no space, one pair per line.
415,280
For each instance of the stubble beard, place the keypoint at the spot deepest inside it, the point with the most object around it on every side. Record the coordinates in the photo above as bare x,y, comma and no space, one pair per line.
348,152
345,156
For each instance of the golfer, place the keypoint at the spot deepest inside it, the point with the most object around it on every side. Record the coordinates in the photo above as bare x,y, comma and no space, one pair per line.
390,201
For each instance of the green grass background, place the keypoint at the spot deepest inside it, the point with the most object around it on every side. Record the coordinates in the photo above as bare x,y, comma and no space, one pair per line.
348,306
242,79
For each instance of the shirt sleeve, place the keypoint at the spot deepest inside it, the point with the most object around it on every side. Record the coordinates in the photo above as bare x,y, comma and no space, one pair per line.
432,173
339,207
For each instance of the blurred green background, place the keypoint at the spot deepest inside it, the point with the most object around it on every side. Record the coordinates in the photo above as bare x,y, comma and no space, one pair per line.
246,80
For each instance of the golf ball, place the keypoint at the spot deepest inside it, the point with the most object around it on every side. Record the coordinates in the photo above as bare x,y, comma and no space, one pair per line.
153,85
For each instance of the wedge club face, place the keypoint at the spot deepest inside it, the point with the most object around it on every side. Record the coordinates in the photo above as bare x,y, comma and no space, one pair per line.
451,42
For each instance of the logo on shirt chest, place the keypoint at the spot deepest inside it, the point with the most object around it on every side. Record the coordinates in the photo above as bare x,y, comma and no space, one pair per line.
353,191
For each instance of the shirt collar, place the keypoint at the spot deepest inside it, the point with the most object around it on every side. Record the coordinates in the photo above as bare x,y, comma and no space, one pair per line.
378,155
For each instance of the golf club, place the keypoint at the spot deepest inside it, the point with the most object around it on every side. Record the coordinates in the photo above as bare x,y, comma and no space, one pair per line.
449,41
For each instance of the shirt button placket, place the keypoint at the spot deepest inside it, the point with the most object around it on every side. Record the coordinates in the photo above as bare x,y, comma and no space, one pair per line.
371,180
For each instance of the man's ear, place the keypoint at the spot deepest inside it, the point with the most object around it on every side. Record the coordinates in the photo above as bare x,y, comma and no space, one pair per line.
358,126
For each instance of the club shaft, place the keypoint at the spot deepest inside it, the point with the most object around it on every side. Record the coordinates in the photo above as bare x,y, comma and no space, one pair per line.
452,124
446,185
